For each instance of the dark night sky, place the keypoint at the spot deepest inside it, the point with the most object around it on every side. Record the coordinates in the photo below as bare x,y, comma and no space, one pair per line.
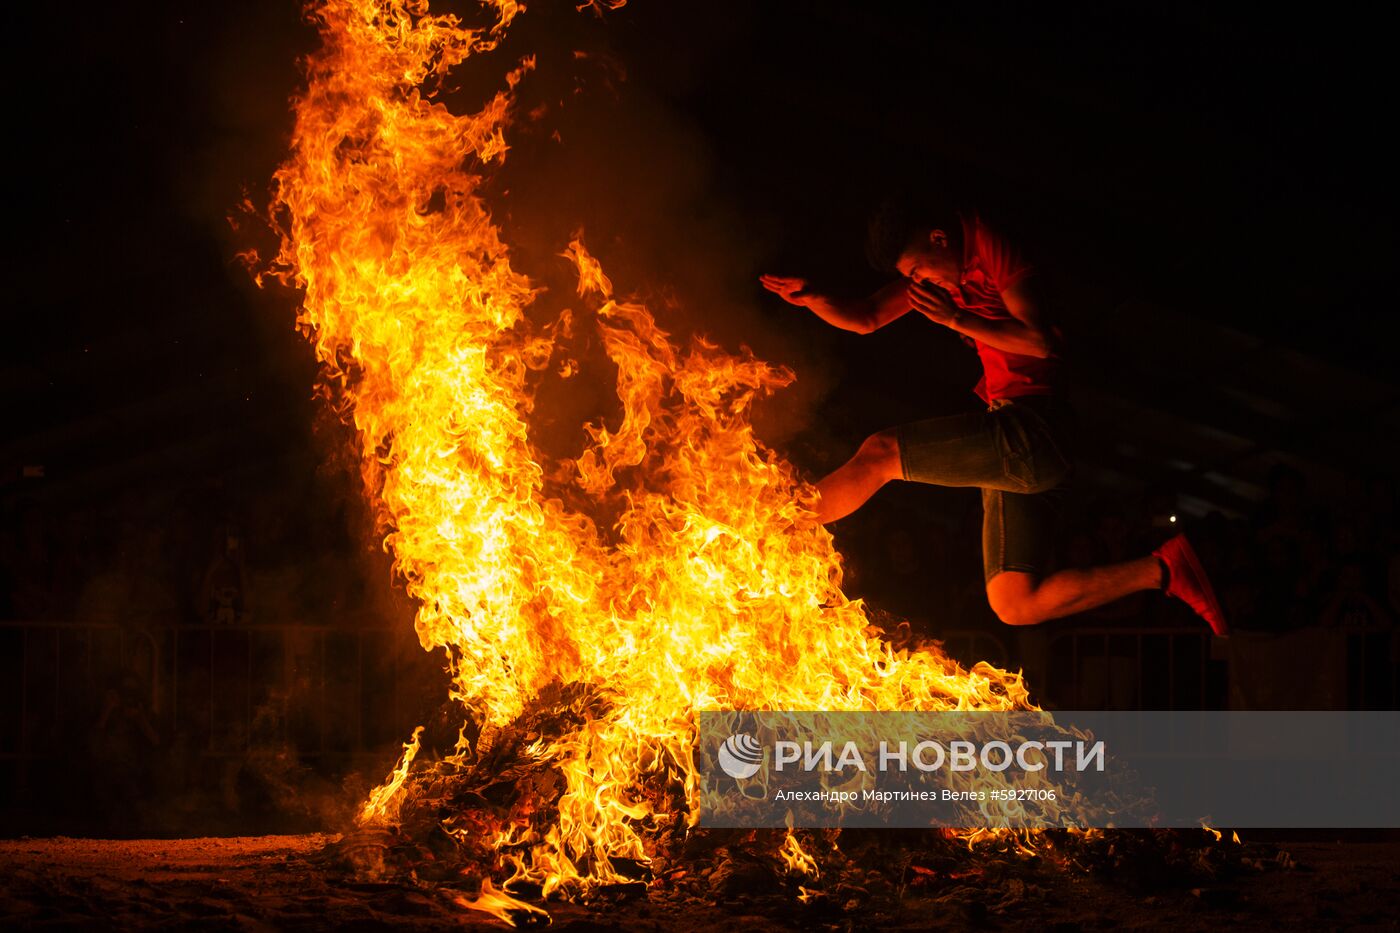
1231,164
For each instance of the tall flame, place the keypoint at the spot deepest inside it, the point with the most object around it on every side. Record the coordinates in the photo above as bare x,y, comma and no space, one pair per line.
709,586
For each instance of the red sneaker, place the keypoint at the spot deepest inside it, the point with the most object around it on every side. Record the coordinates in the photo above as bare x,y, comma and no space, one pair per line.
1187,581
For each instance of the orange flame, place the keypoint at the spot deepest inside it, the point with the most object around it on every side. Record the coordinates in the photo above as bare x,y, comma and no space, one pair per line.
795,859
383,802
712,586
499,904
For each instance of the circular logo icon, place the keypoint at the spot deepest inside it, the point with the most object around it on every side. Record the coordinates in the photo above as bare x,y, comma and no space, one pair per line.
740,756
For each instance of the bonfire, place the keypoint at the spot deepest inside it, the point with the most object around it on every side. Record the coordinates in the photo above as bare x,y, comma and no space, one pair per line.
590,606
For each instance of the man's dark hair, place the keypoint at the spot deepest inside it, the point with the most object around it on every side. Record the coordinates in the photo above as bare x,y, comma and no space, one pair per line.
902,219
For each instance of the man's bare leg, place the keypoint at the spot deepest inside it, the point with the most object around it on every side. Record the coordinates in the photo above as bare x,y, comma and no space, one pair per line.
1025,599
851,485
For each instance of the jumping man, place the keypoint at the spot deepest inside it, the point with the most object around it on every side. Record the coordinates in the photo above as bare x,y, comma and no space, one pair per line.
960,274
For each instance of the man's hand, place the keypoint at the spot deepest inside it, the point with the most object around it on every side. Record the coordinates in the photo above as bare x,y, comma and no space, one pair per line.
933,302
792,290
857,315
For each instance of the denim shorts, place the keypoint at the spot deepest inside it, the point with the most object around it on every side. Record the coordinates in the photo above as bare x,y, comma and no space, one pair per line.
1019,453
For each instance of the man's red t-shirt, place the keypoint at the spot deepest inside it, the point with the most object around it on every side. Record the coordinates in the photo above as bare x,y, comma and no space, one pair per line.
990,266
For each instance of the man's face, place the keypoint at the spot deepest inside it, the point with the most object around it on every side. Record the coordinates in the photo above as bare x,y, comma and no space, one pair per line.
928,259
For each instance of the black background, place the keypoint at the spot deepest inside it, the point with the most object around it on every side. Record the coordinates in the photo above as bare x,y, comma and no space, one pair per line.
1229,162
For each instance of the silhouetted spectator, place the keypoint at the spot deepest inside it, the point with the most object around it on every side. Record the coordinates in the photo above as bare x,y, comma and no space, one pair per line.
225,581
1350,606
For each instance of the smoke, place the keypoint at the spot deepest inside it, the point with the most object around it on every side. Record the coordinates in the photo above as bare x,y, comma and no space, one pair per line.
595,149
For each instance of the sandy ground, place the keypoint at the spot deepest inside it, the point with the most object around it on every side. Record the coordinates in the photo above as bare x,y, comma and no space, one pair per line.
278,883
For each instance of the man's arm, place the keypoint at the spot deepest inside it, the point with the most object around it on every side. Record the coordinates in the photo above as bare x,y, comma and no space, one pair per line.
858,315
1025,333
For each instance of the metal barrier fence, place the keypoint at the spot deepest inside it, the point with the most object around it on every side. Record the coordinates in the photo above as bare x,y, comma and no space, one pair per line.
322,691
212,689
48,670
221,690
1119,667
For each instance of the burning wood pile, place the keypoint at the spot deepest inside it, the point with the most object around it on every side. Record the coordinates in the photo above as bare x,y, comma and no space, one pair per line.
589,606
442,836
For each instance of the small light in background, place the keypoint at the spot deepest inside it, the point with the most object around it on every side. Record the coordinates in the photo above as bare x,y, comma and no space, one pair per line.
1172,519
